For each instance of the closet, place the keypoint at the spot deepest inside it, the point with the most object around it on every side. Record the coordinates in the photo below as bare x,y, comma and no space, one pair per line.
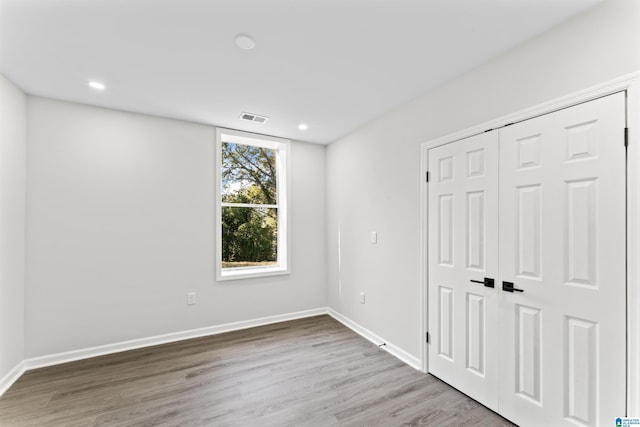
527,266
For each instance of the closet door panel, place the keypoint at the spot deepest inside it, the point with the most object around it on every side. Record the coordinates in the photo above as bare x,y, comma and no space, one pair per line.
562,243
463,315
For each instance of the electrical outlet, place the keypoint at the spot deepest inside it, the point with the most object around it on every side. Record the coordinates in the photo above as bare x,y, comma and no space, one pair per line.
191,298
361,297
373,237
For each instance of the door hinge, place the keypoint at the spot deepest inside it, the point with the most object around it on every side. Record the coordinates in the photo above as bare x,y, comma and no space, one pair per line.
427,176
626,137
428,338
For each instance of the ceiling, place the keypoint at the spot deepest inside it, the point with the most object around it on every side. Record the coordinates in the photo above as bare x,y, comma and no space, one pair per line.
332,64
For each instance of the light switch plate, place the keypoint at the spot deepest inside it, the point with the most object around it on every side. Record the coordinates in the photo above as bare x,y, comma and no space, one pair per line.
191,298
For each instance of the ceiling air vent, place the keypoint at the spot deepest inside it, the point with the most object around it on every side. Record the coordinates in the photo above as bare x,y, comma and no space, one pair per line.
254,117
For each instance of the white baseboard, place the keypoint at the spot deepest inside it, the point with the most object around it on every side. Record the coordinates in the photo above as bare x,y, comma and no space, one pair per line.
11,377
396,351
86,353
70,356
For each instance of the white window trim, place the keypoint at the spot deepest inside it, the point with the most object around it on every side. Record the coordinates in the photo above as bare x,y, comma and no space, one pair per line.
283,183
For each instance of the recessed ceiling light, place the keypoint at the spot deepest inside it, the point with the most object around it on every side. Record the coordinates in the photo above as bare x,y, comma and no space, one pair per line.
303,126
245,42
97,85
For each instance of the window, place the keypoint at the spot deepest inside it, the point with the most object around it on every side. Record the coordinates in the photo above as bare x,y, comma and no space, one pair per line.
251,205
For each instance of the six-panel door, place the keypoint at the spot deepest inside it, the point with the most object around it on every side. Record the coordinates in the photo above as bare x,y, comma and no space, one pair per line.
462,247
562,241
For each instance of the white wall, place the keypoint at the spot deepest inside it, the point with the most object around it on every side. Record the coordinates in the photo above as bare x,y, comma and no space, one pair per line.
120,206
120,226
13,130
373,175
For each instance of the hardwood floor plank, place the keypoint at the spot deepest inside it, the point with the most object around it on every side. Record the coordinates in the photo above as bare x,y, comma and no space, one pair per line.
307,372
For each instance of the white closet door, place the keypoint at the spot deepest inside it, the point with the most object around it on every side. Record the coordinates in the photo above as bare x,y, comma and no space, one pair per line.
562,242
463,239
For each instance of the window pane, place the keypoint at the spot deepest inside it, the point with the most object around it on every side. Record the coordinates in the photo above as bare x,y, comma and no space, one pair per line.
249,237
248,174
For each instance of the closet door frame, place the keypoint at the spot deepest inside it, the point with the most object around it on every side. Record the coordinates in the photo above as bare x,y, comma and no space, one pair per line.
629,84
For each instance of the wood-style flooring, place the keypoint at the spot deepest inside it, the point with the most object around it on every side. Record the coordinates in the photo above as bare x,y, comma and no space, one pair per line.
307,372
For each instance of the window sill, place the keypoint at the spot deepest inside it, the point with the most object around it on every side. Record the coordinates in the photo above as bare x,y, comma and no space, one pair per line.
250,273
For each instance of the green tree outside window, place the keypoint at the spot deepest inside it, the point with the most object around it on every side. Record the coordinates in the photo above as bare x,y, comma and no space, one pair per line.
249,206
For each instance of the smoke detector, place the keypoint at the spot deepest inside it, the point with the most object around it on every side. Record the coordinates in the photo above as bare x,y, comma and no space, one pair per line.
254,117
245,42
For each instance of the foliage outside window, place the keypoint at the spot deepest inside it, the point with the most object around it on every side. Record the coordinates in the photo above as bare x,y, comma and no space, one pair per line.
252,212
